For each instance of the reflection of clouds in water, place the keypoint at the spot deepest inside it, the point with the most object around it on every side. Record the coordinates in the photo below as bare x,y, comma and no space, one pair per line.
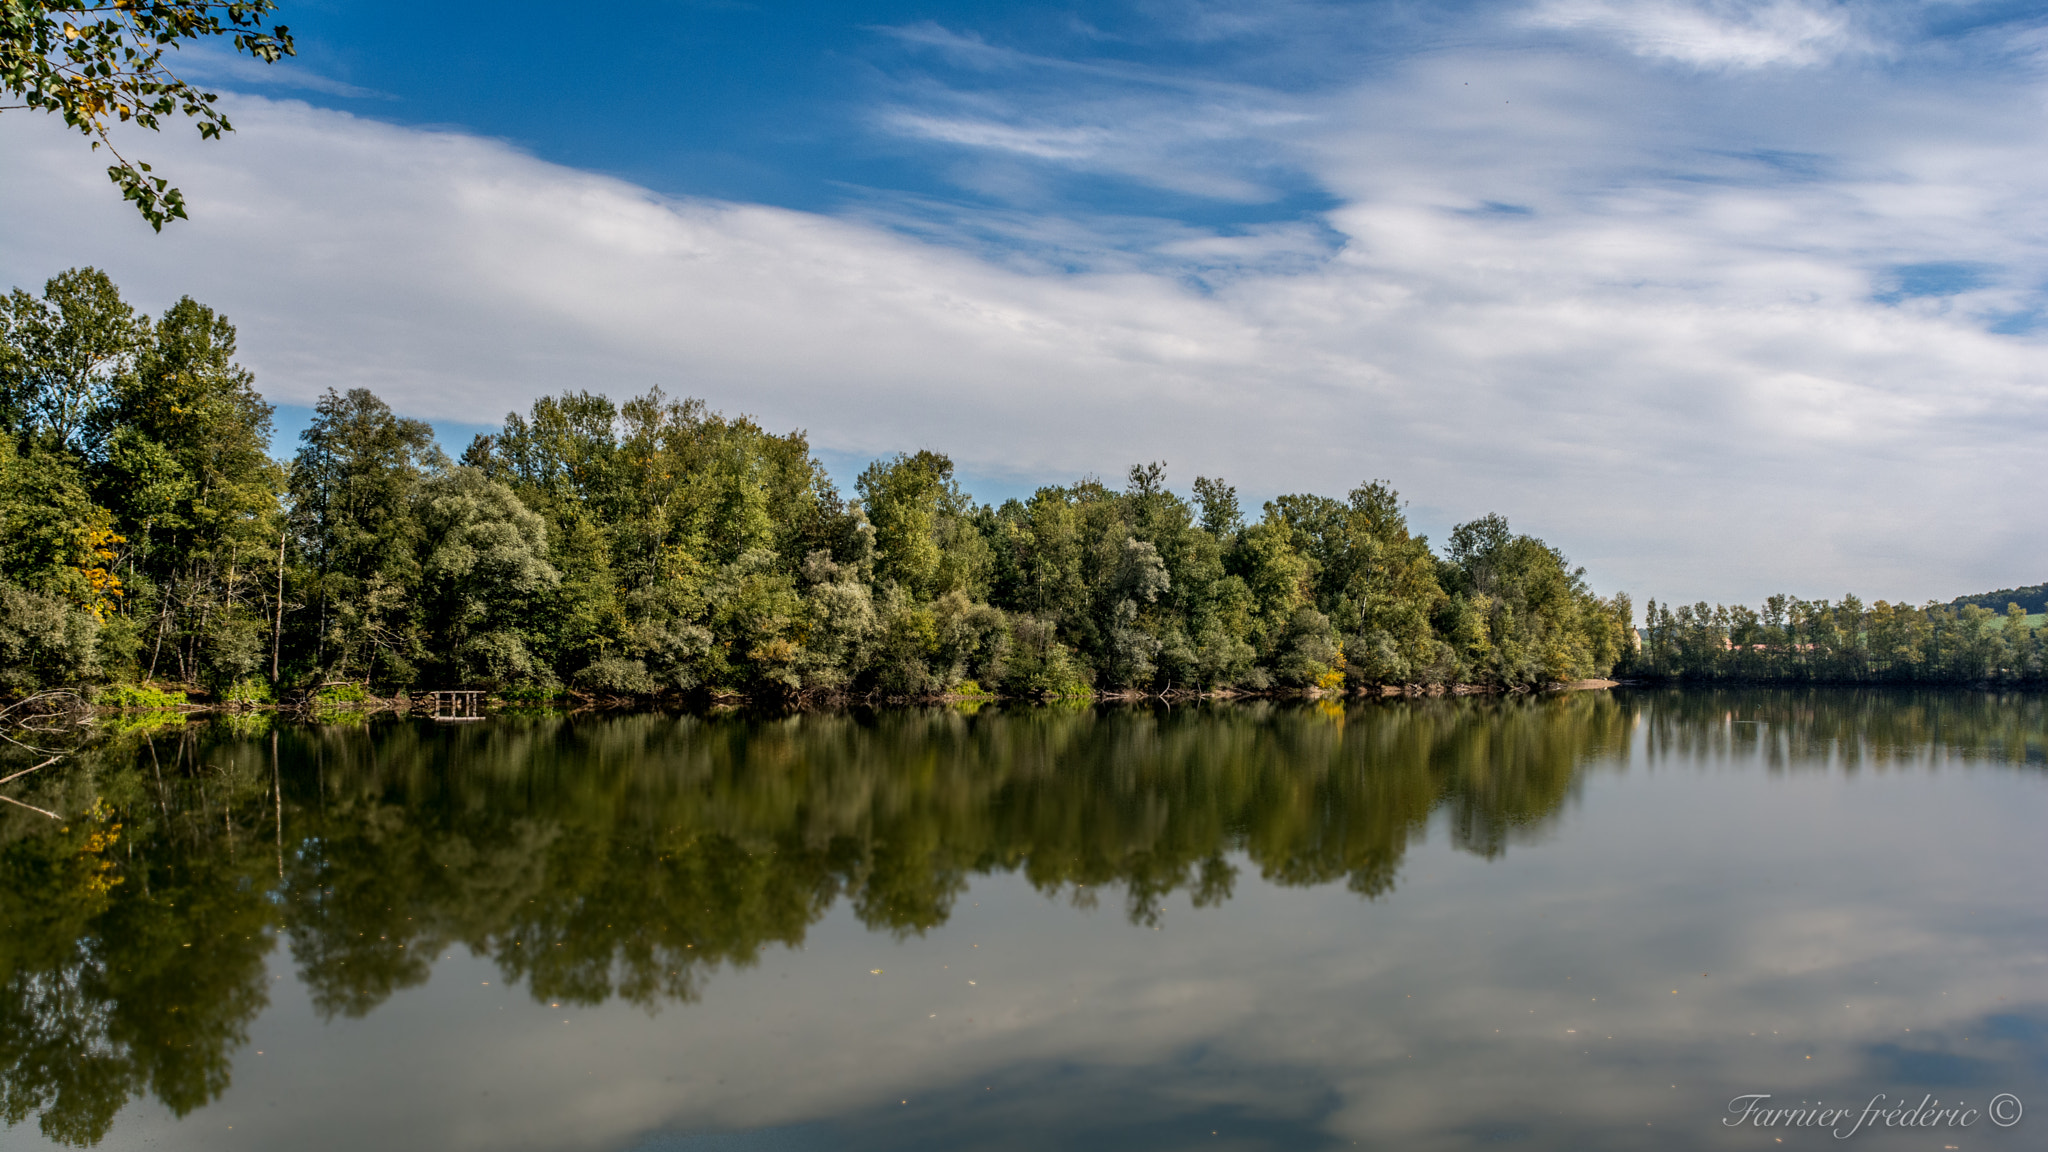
1286,1013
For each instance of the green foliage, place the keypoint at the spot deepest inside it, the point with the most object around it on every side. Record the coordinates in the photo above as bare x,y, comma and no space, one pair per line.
649,547
2032,599
68,353
139,697
485,579
354,502
134,478
925,540
97,64
1817,641
248,691
342,693
1521,614
530,694
617,676
44,642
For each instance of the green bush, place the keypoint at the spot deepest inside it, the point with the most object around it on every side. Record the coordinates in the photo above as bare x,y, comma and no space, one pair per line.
342,693
248,690
616,676
44,642
531,693
140,697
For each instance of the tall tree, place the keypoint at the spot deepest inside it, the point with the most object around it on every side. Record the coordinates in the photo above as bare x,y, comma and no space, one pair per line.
353,488
925,539
65,356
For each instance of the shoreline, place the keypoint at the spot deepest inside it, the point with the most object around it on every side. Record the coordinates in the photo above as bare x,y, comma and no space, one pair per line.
406,705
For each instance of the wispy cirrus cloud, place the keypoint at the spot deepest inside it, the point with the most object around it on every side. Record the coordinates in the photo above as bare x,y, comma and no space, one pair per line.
213,65
1732,34
1183,133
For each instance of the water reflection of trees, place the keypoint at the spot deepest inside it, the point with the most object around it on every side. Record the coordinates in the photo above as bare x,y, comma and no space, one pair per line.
1849,729
132,936
631,856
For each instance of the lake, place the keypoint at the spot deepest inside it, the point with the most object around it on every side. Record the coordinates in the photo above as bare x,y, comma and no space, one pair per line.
1583,921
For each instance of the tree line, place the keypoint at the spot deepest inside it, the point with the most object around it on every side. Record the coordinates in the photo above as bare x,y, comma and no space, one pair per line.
655,546
2033,599
1842,642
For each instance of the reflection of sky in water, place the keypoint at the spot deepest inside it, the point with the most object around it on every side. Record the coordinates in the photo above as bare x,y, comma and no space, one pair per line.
1693,926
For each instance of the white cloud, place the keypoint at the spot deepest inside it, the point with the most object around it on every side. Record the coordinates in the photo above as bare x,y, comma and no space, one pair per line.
1647,336
1714,34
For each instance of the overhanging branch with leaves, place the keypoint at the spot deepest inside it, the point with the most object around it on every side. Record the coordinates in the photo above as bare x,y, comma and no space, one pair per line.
102,64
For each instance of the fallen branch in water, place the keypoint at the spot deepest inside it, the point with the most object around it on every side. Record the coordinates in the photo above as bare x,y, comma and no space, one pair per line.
26,771
44,712
31,807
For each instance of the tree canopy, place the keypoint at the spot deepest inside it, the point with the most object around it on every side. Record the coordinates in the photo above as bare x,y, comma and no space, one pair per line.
655,546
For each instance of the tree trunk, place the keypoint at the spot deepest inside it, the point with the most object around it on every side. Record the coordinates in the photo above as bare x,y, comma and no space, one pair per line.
277,628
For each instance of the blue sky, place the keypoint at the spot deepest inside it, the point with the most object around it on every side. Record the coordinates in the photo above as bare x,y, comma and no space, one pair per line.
1724,297
801,104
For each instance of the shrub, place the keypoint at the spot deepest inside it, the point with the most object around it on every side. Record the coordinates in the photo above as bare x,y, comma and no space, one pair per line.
139,697
532,692
617,676
1039,665
247,690
44,642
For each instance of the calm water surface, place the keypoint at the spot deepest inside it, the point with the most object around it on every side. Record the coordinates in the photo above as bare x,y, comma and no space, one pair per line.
1578,922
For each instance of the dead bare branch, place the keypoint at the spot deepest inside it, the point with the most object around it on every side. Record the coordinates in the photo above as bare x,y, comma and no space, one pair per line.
31,807
26,771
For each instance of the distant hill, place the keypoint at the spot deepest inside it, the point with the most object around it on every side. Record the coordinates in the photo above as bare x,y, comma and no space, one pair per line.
2034,599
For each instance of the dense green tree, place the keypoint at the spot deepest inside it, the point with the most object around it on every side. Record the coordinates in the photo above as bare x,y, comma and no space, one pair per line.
354,488
484,579
925,541
66,355
195,496
1524,615
136,484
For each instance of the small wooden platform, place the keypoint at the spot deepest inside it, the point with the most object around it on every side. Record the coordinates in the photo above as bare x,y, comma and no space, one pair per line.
458,705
